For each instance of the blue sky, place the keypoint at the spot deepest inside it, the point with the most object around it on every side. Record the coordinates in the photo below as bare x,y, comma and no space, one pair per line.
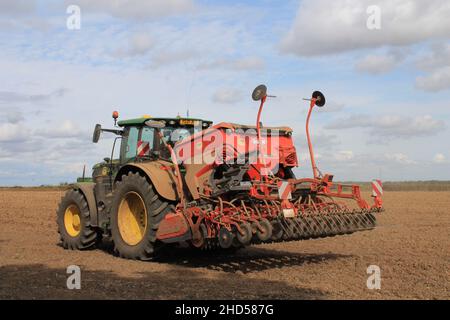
388,90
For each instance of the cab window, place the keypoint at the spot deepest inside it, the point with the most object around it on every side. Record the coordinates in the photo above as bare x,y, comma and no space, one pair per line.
129,143
148,135
174,134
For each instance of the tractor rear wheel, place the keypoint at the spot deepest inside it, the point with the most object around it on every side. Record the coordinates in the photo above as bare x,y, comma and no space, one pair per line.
73,221
136,213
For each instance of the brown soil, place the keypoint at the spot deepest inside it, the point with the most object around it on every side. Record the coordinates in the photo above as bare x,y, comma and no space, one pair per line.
411,246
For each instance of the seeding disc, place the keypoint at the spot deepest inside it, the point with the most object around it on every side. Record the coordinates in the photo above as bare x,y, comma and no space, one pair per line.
266,232
247,233
225,238
277,230
201,242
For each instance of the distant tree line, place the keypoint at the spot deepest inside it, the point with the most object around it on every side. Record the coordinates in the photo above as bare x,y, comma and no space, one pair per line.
429,185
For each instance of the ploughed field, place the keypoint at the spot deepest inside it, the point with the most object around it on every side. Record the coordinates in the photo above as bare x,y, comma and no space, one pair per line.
411,245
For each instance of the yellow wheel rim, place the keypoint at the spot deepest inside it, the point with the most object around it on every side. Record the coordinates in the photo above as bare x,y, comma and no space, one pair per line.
72,220
132,218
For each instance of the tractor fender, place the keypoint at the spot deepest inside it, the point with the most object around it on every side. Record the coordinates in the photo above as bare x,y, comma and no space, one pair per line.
87,189
160,174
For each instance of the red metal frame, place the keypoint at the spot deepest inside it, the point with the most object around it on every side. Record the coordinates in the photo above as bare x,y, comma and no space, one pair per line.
310,195
310,147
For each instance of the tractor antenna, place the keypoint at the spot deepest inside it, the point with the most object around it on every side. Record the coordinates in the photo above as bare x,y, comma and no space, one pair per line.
84,171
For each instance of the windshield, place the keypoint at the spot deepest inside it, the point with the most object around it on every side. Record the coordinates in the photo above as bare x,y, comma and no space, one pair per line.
142,141
174,134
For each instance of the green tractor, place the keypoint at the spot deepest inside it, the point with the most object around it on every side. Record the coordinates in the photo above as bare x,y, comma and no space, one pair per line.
182,180
127,197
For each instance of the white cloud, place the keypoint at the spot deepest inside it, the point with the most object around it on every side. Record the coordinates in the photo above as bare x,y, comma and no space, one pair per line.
378,64
437,58
437,64
391,126
136,9
332,106
141,43
400,158
17,15
437,80
344,155
439,158
228,96
305,157
320,140
171,57
67,129
11,116
12,132
325,27
138,44
249,63
8,97
17,7
74,168
239,64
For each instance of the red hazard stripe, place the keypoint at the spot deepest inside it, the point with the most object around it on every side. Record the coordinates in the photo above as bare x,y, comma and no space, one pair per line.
284,190
377,188
142,148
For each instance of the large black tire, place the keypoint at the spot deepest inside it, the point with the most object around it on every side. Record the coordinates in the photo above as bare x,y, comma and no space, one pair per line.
155,210
74,226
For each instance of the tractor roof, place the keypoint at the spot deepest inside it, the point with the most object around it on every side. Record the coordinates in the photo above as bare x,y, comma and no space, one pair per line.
141,121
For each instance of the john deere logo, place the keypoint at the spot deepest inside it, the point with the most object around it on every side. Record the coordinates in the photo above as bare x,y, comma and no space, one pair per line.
104,171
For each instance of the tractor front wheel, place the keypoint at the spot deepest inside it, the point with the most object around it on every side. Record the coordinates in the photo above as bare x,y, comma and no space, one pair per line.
73,221
136,213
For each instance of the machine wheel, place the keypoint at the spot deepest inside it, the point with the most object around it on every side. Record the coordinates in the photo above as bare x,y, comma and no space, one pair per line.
225,238
136,213
74,226
236,245
277,230
266,234
247,233
201,242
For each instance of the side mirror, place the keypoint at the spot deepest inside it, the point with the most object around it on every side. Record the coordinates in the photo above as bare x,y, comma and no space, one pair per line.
259,93
155,124
96,135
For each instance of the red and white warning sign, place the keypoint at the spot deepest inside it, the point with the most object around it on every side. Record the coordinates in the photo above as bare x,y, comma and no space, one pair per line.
143,149
377,188
284,190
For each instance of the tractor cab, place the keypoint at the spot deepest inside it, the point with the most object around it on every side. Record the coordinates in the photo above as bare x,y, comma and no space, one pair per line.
140,141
